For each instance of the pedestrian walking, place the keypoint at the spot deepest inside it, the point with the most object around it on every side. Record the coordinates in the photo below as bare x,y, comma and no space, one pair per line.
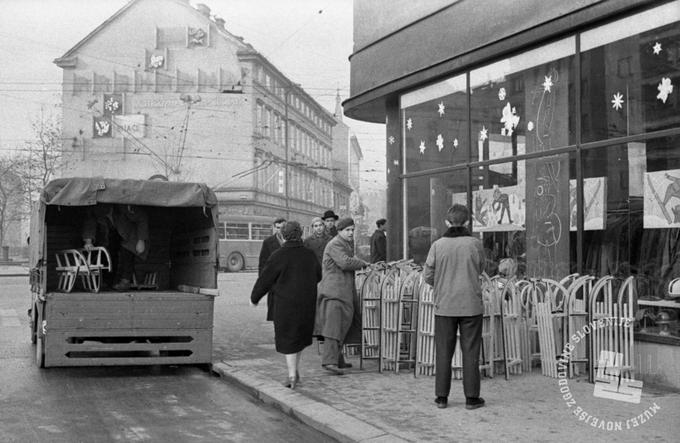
379,242
291,275
269,245
329,218
318,239
337,294
453,267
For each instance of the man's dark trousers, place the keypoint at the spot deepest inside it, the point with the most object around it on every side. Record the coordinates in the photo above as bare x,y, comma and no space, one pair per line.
445,329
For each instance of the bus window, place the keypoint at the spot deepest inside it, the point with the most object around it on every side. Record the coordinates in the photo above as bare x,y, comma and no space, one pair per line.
237,231
260,231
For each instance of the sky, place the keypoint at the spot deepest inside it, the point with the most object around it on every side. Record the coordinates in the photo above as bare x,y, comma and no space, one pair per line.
308,40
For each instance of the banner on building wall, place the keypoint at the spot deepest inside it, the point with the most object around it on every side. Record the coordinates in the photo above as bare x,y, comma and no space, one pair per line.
594,204
101,127
132,125
497,209
113,105
662,199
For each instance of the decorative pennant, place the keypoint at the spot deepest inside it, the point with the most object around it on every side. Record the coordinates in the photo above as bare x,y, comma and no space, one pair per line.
113,105
101,127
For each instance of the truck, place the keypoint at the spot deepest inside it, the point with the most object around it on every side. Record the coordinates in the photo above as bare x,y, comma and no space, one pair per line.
166,317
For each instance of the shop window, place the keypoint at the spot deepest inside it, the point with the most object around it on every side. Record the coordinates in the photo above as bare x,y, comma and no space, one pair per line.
428,199
633,75
523,102
434,122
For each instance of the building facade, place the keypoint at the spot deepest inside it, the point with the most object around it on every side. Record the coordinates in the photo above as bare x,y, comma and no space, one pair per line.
162,89
559,128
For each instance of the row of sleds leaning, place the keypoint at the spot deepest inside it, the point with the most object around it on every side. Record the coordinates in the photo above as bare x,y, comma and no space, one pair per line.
565,325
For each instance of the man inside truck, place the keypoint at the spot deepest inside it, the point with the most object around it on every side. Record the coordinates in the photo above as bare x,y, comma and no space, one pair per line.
121,227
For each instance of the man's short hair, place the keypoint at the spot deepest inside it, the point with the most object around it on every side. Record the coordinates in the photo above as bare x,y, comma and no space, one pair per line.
457,215
279,220
380,222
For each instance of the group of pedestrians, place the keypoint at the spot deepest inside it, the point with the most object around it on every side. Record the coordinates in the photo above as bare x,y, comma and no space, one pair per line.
312,293
310,287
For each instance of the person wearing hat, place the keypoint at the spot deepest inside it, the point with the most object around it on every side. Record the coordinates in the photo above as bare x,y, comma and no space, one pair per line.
379,242
329,218
291,274
336,295
318,239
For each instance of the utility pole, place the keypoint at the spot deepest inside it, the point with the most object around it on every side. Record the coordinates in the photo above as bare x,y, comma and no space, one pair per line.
285,136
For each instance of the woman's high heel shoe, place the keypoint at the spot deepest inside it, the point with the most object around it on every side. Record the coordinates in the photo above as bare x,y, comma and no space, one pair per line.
292,381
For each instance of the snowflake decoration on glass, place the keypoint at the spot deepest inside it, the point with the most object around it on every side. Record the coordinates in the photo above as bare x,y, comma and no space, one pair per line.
409,124
484,133
440,142
657,48
509,120
617,102
501,94
111,105
396,162
441,109
422,148
665,88
547,84
530,126
455,142
390,140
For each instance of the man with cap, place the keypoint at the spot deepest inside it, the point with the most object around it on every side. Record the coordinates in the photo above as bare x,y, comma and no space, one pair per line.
318,239
337,294
379,242
329,218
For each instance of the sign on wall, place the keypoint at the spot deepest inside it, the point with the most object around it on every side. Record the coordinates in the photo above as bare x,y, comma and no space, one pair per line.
132,125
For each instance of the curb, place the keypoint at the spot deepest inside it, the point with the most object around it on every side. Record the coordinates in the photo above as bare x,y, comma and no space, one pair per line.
318,415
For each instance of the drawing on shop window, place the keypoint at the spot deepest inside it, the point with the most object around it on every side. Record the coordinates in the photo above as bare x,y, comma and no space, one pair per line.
594,204
662,212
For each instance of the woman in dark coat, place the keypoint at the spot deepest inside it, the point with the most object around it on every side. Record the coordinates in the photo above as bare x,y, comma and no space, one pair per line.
291,274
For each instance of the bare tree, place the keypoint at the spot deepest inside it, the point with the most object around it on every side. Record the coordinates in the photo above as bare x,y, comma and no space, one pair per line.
11,193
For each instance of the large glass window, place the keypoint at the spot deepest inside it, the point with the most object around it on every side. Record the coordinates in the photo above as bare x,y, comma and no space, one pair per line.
630,69
428,200
524,103
435,125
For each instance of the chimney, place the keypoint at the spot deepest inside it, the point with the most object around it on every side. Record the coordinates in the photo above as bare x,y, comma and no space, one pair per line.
203,9
219,21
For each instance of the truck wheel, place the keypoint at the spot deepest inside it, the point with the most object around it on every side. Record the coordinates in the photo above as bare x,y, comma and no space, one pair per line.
39,342
235,262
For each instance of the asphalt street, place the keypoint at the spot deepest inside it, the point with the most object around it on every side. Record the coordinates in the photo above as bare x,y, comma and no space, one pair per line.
147,403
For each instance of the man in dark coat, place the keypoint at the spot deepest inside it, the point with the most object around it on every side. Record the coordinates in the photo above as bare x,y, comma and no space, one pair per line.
379,242
337,293
269,245
291,275
329,218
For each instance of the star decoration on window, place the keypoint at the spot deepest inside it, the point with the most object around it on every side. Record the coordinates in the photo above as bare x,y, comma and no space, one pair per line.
441,109
617,102
440,142
391,140
484,133
409,124
657,48
664,88
455,143
547,84
501,94
422,148
396,162
530,126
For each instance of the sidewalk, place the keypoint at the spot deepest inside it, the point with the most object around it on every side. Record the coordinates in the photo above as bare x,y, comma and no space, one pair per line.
369,406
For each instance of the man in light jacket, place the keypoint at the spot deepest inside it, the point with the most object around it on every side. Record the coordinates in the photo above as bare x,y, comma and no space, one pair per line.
453,267
336,294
